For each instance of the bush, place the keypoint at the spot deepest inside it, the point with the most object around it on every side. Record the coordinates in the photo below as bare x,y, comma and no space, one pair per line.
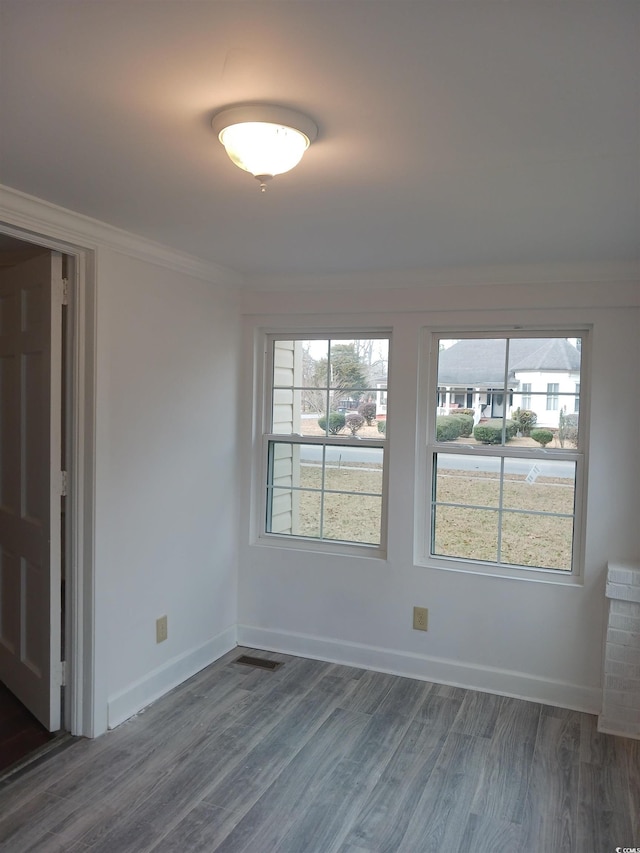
491,431
464,412
336,423
448,427
382,427
525,420
368,412
466,424
354,422
542,436
568,429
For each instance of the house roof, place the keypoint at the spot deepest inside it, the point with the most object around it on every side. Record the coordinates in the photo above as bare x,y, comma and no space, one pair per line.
481,362
475,135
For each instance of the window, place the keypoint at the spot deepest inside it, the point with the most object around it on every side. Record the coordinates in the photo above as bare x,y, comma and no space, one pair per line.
553,389
505,485
576,402
325,438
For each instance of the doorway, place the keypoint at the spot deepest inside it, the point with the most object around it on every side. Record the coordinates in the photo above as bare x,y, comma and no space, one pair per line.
85,694
34,451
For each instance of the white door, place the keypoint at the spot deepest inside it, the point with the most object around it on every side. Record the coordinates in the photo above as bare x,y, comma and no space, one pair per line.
30,483
497,405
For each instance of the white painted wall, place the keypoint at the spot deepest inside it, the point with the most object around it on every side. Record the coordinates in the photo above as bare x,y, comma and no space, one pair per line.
166,477
538,640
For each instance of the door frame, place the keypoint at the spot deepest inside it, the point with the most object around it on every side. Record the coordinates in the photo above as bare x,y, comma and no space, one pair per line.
81,705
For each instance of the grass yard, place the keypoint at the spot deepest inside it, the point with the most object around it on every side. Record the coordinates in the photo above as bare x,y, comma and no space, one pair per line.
461,531
349,517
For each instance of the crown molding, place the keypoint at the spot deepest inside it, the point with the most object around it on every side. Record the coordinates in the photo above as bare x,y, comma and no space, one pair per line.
40,217
505,274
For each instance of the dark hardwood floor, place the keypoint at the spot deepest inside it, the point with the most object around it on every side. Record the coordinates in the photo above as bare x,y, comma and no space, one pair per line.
20,732
324,758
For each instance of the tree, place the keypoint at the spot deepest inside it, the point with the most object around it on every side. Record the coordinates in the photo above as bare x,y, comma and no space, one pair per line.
354,422
348,378
368,411
313,399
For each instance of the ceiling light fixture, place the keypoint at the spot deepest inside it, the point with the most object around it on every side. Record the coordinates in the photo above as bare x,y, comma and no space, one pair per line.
264,139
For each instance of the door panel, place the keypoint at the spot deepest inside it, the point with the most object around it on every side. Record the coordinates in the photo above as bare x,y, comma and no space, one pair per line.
30,453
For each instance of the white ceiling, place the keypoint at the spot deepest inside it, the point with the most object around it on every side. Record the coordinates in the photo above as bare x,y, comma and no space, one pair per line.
458,133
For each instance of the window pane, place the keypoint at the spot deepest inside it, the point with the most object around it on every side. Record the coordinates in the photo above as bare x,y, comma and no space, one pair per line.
538,541
307,385
290,400
539,370
354,469
471,375
352,518
467,480
325,492
539,485
285,411
284,465
568,421
294,512
466,533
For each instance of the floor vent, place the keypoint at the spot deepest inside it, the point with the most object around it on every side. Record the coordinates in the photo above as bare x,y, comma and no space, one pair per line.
260,663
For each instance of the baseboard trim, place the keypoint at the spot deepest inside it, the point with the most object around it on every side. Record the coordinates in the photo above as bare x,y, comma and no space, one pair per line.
487,679
615,727
146,690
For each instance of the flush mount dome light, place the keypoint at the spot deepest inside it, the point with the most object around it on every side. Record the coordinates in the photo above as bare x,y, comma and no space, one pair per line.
264,140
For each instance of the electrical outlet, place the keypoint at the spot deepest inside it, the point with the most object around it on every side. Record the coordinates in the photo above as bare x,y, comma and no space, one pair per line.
420,618
161,629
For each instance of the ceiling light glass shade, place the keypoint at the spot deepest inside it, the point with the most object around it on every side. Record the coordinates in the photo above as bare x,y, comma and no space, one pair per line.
264,140
264,149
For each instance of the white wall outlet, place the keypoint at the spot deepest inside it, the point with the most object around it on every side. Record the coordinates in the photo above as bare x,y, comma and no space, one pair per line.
161,629
420,618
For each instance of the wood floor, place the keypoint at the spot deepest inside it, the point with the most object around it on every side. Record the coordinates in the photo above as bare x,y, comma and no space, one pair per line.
329,759
20,732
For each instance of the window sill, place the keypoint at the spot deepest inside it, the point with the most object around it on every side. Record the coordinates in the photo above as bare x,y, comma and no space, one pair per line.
306,546
549,576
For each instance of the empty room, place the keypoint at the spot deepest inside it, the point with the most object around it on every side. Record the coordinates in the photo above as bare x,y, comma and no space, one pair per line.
319,407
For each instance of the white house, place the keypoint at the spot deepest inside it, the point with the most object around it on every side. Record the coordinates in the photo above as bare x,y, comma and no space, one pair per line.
542,375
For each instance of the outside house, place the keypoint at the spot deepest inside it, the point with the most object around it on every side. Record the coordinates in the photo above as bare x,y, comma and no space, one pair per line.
543,375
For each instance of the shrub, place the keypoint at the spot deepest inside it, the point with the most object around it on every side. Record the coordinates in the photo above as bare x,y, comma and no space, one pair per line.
336,423
382,427
354,422
466,424
368,411
465,412
568,428
542,436
491,431
525,420
448,427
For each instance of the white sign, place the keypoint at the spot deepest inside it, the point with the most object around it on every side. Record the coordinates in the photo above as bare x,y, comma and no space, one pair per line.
533,474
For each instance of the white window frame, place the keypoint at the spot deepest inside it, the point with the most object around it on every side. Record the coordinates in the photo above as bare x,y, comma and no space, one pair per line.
291,541
427,449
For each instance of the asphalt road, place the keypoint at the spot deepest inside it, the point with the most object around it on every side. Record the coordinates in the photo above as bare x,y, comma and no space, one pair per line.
373,456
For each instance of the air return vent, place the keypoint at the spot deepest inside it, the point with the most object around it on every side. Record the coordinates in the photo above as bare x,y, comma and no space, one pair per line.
259,663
